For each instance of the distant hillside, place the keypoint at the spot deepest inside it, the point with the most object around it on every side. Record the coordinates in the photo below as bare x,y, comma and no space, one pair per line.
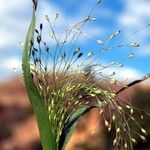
18,129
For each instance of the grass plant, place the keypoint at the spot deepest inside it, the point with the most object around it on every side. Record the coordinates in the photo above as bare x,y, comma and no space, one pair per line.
61,82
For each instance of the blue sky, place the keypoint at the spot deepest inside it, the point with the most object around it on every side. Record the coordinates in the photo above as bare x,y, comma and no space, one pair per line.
125,15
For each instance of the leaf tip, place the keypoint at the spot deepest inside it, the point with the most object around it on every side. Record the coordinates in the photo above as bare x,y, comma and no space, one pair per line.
35,2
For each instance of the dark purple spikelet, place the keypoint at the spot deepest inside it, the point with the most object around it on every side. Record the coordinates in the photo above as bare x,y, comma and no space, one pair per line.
35,2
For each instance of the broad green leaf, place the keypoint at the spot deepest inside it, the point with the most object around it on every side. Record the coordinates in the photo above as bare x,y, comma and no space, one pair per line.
46,134
71,125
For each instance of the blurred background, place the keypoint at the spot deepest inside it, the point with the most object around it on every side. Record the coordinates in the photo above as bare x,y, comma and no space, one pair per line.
18,129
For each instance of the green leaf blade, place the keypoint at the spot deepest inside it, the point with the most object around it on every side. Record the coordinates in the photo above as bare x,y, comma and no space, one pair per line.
45,130
71,125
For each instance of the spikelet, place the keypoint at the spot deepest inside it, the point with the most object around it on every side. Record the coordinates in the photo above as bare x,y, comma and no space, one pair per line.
131,55
118,130
131,111
133,140
144,131
106,123
142,137
114,142
113,117
134,45
125,145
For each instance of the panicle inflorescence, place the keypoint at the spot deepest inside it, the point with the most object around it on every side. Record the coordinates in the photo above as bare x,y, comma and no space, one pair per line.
67,77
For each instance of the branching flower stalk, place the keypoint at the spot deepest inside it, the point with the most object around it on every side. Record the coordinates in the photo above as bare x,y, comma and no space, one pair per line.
61,83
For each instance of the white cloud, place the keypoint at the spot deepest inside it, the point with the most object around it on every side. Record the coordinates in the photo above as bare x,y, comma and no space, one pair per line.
9,67
16,15
124,73
14,22
10,64
128,74
136,14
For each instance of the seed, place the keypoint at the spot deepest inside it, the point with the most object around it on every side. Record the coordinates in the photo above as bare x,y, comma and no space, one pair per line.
46,17
56,15
118,32
113,117
125,145
87,102
112,74
35,49
41,26
127,106
113,81
131,55
36,31
100,42
133,140
144,131
106,123
76,102
98,91
87,18
63,42
119,107
49,108
76,51
39,39
118,130
113,63
33,53
142,117
93,19
114,142
142,137
47,49
101,111
90,54
92,95
120,65
134,45
98,1
112,36
80,55
109,128
131,111
113,95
